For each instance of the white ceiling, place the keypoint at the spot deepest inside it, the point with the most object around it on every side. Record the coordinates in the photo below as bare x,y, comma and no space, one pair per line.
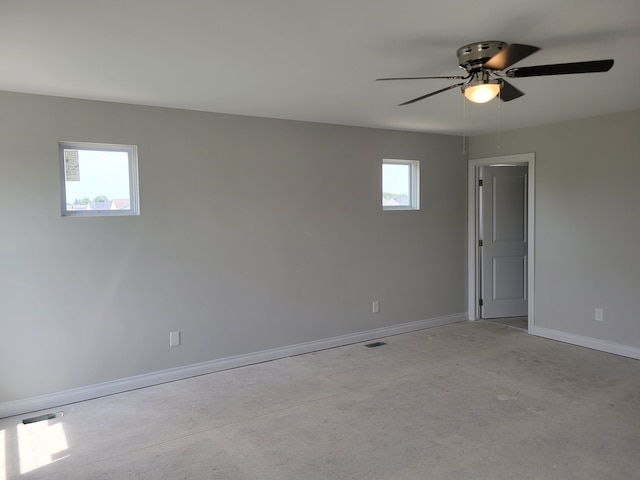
316,60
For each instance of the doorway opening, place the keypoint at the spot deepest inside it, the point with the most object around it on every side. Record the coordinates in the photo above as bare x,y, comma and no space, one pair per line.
516,322
524,260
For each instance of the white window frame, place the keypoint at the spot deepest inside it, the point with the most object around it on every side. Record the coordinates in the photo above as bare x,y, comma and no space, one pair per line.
414,183
132,153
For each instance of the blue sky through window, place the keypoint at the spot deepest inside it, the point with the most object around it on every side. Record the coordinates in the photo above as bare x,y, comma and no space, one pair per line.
396,178
100,173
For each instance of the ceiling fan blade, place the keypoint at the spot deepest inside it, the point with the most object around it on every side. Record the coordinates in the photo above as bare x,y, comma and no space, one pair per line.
431,94
508,92
508,56
561,69
422,78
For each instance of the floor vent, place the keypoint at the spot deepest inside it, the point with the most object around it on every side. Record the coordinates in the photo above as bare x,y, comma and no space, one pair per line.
41,418
374,344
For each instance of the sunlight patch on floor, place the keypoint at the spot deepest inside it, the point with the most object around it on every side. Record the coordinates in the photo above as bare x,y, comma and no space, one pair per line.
40,444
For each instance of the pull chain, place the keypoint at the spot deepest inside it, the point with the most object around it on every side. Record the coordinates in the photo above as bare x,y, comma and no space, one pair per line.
499,119
464,124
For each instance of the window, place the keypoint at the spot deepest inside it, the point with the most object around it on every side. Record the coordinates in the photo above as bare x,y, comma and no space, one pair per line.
400,185
99,179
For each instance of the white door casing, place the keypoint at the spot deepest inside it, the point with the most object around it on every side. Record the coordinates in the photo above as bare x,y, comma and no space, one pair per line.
503,233
473,235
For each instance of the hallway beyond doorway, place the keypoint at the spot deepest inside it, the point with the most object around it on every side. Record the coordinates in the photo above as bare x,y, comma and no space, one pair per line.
516,322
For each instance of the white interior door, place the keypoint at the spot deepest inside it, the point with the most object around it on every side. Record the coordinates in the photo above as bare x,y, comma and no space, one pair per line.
503,232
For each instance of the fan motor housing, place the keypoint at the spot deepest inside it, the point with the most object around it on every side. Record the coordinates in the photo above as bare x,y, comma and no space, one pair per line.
473,56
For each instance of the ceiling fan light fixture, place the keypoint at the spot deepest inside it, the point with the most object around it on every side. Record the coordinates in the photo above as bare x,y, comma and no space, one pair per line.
481,91
487,63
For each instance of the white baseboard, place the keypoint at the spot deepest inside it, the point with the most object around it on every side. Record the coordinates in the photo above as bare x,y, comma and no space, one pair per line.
589,342
42,402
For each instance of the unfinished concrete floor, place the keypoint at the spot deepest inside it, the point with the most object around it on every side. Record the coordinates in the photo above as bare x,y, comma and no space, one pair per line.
473,400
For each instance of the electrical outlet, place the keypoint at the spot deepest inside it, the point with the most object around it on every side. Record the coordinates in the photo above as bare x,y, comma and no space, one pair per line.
599,315
174,339
376,306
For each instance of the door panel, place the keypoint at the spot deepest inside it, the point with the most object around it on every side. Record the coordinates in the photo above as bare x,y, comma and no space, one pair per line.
503,229
509,212
512,268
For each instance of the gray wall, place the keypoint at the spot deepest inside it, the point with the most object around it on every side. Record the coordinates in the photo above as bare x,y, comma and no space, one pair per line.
253,234
587,252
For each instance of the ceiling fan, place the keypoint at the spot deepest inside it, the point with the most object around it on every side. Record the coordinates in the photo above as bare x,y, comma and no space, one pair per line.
486,64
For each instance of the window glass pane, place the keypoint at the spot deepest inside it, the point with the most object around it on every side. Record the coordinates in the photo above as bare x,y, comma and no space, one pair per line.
396,184
99,179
